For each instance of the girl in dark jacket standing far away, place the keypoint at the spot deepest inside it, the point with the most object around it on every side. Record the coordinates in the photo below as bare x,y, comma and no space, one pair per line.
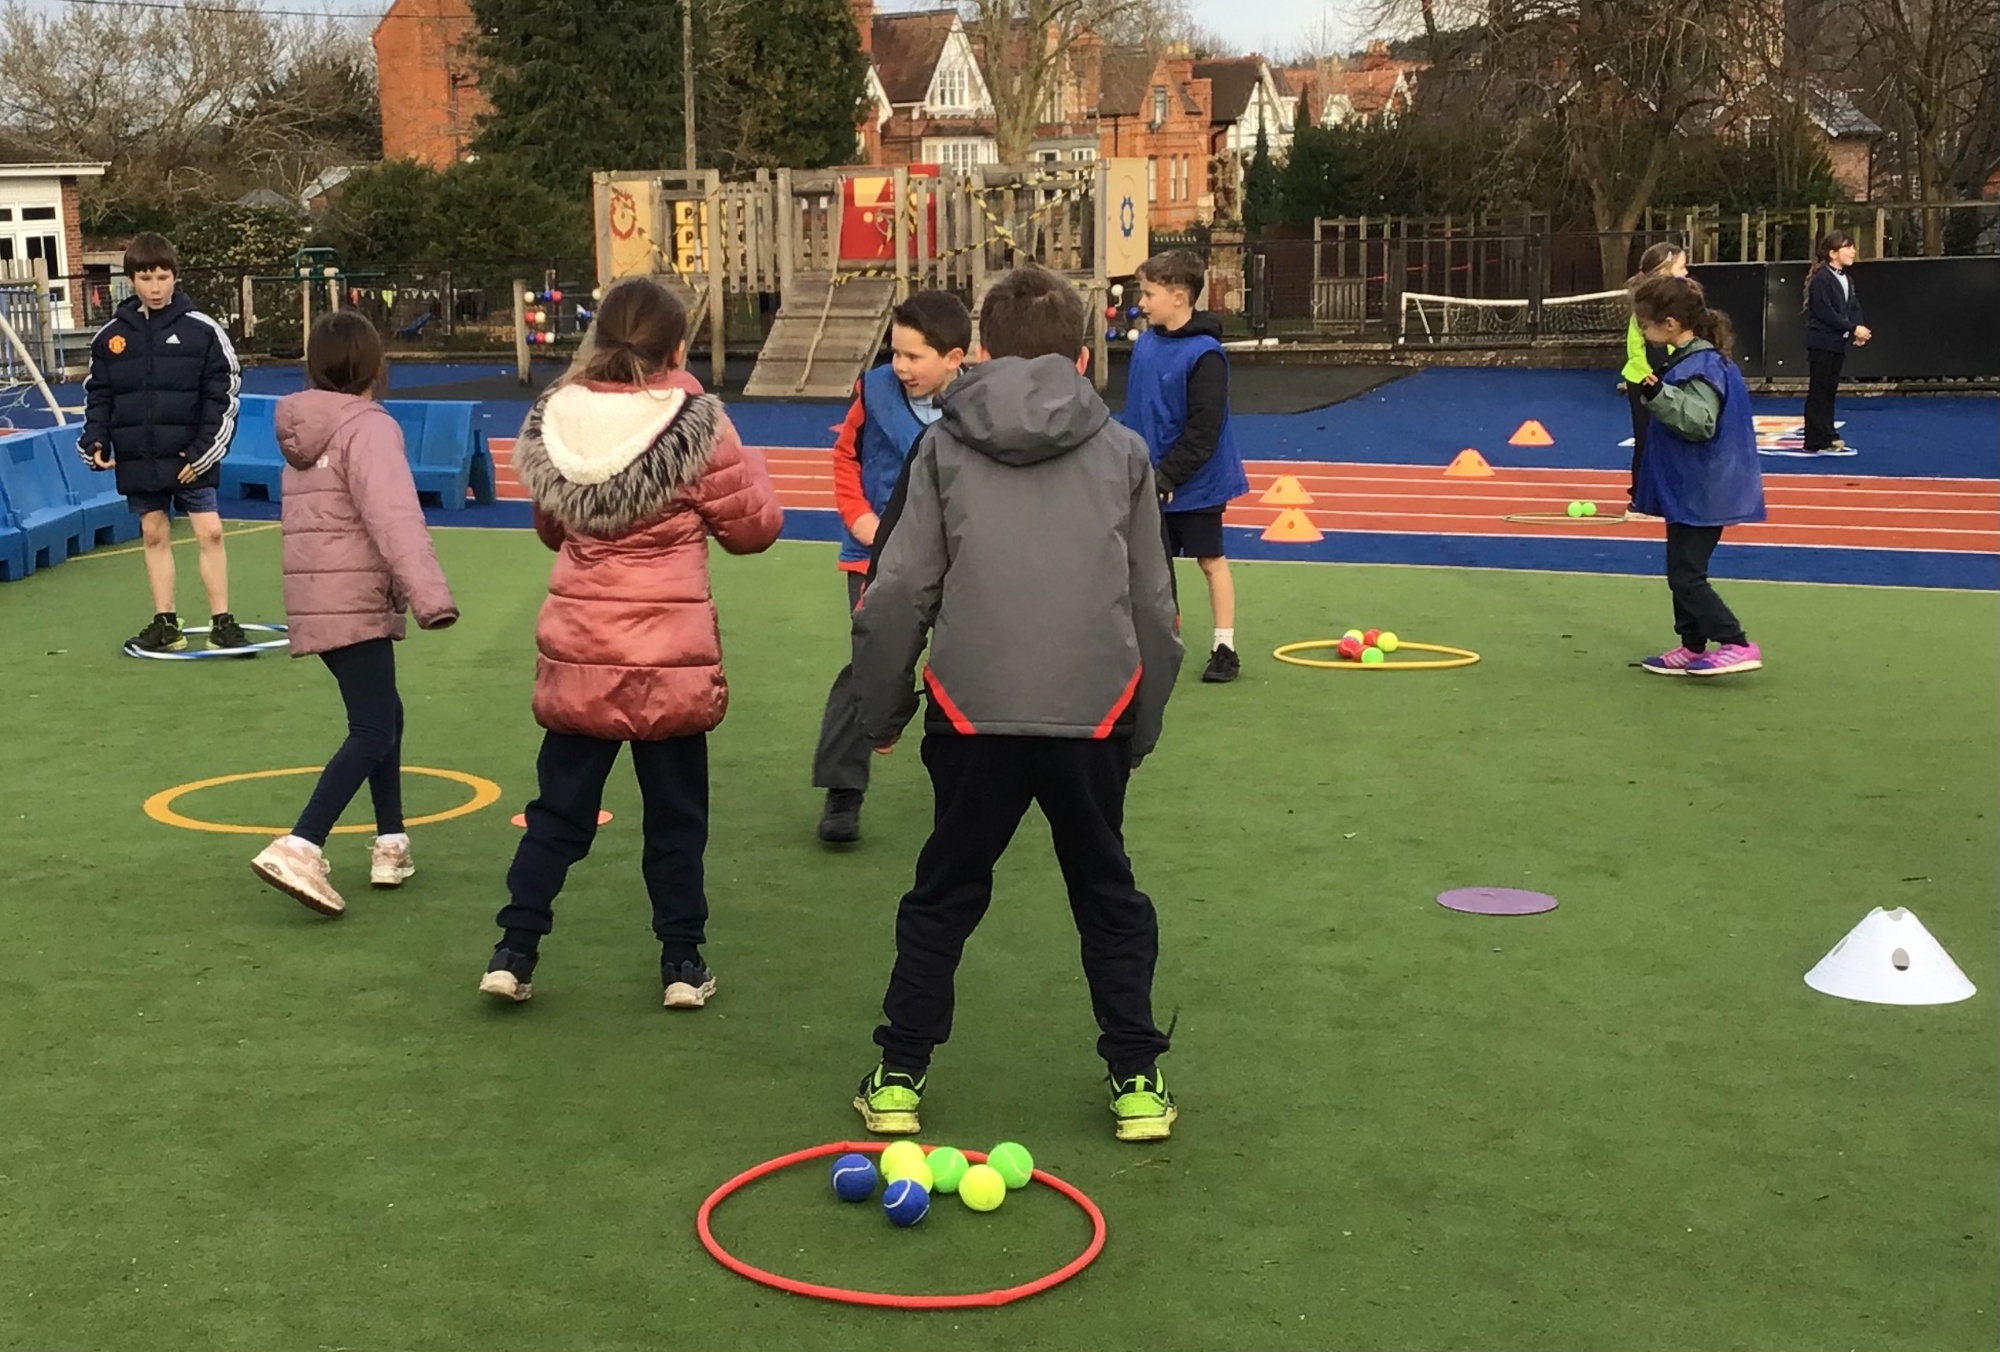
1833,320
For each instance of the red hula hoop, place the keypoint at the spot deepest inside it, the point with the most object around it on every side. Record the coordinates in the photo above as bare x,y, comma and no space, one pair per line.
887,1299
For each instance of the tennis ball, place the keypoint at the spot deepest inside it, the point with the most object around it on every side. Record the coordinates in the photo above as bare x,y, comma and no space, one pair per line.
1370,638
982,1188
1590,509
1350,648
948,1165
900,1158
905,1201
1371,657
1576,509
854,1178
1013,1162
1354,633
1388,642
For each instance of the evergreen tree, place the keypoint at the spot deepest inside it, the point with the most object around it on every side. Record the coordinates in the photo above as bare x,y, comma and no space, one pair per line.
801,81
1262,195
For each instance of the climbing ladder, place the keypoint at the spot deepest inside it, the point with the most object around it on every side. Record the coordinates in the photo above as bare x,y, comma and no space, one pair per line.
828,329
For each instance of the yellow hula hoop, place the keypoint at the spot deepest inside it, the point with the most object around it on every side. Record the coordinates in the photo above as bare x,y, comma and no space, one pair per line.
160,807
1458,657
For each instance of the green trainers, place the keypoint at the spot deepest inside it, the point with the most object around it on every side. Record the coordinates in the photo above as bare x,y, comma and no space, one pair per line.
887,1101
1144,1107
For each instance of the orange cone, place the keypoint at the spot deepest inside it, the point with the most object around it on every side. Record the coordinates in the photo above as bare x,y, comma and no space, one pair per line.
1531,433
1286,491
1293,527
1468,464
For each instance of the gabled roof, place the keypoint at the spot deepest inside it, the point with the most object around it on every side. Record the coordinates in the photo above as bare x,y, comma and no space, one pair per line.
1125,83
1835,114
1234,82
907,48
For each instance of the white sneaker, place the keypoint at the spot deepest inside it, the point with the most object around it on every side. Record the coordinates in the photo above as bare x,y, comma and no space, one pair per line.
389,863
299,870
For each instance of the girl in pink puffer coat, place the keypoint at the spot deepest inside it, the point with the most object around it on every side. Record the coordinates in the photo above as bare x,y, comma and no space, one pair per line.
632,469
357,555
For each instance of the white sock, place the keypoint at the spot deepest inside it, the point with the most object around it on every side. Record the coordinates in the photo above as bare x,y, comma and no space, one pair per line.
1226,638
400,839
301,843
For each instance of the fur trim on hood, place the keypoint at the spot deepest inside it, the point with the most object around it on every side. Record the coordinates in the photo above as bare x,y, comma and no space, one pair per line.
603,461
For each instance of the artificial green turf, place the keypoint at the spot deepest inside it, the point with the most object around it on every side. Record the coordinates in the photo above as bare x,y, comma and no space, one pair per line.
1628,1124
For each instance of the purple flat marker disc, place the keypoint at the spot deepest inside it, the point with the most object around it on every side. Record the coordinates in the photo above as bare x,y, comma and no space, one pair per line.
1496,901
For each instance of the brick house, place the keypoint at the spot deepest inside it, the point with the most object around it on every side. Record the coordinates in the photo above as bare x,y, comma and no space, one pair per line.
1377,89
1836,126
41,221
430,96
1154,108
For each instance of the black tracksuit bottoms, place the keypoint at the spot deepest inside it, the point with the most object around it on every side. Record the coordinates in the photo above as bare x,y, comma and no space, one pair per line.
1700,616
983,786
841,759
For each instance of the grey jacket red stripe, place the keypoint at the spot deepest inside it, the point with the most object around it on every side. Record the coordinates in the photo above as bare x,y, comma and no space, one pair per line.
1027,552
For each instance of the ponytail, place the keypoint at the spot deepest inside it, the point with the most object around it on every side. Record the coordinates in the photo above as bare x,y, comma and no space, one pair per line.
1682,300
1834,239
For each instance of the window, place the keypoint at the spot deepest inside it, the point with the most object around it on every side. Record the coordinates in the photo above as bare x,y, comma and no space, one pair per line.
952,88
1159,105
6,213
49,213
960,153
1152,179
1083,156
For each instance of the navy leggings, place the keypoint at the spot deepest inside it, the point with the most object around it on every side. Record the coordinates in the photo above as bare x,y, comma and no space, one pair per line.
373,751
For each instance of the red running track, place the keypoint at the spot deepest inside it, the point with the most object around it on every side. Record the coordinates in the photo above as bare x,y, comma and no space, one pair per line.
1824,510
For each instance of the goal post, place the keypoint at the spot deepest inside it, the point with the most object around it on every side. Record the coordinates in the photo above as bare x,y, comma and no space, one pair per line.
1438,320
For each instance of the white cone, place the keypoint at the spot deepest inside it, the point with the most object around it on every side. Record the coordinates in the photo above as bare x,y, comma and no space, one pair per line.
1890,959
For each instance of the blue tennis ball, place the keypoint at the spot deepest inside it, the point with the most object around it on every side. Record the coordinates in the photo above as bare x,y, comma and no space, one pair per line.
905,1202
854,1178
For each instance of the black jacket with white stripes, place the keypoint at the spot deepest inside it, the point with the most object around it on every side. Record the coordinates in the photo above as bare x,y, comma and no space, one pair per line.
162,394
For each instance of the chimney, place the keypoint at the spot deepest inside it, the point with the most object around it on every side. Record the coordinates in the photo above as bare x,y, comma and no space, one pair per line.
864,24
1377,57
1086,63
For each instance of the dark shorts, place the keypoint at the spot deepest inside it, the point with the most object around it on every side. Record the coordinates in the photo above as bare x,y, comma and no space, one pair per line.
1193,535
187,500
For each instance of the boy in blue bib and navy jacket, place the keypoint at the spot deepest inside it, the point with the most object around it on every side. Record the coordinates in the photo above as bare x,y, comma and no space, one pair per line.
1177,398
160,408
928,336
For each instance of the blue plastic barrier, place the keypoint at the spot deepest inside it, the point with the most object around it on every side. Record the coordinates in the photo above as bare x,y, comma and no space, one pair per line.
446,449
254,467
106,518
36,502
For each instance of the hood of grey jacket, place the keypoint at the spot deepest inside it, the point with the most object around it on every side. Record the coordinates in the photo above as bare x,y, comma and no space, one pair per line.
1023,410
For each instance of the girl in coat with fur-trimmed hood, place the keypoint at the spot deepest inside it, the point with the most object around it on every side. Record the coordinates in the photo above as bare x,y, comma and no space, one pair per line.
631,468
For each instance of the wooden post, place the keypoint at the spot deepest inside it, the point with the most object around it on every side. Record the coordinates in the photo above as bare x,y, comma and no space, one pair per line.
522,372
1100,273
975,220
47,318
921,199
249,308
1881,231
305,305
784,221
899,193
718,324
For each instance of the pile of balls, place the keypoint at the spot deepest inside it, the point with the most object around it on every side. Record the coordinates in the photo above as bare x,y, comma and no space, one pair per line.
1583,509
912,1175
1367,646
1115,314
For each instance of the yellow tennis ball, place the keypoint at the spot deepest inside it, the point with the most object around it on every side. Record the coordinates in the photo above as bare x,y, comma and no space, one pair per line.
1371,657
901,1159
982,1188
1013,1162
948,1165
1387,642
1354,633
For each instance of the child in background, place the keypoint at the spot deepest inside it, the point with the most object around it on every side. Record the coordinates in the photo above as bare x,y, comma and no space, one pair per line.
1026,552
1177,398
928,336
160,408
631,468
357,554
1660,260
1833,321
1700,470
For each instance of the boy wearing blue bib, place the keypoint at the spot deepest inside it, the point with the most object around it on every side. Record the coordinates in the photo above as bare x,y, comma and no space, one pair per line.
928,336
1700,470
1177,398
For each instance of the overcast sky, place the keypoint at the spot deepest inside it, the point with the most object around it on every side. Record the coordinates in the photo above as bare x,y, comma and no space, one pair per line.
1269,26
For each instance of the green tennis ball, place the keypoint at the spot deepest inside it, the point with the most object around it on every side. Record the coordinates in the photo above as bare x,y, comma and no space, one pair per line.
1371,657
1388,642
901,1159
1576,509
948,1165
1013,1161
982,1188
1590,509
1352,633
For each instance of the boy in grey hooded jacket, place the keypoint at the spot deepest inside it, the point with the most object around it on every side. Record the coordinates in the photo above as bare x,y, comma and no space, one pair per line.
1027,552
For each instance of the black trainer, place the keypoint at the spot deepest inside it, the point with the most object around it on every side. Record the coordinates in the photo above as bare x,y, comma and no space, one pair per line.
225,632
1223,666
840,823
163,635
510,975
687,984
